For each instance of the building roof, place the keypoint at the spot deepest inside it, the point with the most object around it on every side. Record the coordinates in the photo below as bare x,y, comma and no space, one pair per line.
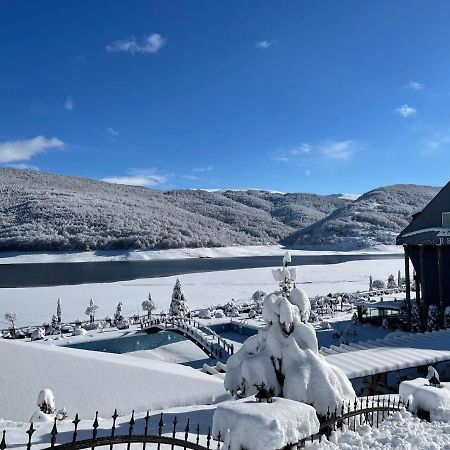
390,354
426,226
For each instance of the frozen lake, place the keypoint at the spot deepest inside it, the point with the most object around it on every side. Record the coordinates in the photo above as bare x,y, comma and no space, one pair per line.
57,274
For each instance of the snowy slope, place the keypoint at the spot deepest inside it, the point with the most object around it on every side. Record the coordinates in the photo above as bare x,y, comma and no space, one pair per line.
374,218
86,382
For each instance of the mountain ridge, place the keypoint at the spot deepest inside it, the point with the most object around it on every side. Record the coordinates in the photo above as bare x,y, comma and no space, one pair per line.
46,212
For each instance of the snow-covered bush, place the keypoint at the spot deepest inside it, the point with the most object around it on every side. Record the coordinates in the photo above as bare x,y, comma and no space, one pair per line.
37,334
78,331
219,314
204,314
148,306
252,313
46,401
433,318
378,284
284,355
123,324
178,305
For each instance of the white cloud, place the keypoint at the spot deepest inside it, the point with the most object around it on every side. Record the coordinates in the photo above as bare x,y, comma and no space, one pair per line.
337,149
406,111
147,44
112,131
316,153
203,169
69,104
414,85
437,142
264,44
138,177
190,177
24,166
24,150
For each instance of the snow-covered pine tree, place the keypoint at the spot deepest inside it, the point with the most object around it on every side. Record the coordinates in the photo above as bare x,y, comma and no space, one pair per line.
58,310
399,279
416,325
378,284
447,317
118,316
370,283
148,306
433,318
178,305
391,284
91,310
284,355
11,318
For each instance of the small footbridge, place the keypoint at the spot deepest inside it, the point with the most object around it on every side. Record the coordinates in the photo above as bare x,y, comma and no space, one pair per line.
206,339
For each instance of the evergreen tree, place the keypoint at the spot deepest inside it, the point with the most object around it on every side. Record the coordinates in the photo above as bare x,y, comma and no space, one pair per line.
118,314
391,284
447,317
416,326
399,279
149,306
370,283
58,310
284,356
178,305
91,310
433,318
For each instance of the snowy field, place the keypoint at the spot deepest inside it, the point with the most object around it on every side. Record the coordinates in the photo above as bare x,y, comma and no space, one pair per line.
35,306
146,255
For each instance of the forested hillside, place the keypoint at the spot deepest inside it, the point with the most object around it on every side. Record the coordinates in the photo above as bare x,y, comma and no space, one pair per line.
40,211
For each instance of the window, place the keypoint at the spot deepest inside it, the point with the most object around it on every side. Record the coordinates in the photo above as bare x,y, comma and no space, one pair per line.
446,220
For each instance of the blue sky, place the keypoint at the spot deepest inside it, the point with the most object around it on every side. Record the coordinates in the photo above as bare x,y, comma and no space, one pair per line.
313,96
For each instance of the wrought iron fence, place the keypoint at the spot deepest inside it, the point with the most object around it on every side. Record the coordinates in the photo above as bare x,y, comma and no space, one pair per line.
362,411
178,436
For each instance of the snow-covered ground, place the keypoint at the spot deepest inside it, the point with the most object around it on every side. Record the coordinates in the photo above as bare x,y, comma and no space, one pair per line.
403,431
145,255
36,305
85,381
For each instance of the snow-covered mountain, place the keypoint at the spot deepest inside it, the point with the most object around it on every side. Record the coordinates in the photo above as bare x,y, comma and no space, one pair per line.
373,218
41,212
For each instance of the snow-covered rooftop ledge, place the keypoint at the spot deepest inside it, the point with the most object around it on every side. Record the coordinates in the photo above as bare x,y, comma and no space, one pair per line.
104,381
252,425
146,255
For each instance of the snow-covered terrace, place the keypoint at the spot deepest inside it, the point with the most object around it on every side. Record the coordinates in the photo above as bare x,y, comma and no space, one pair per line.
390,354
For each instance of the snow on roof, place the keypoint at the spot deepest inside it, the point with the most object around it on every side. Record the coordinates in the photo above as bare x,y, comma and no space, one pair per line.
390,354
386,304
85,381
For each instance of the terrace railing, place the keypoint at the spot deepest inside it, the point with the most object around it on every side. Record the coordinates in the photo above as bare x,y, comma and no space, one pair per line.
179,436
362,411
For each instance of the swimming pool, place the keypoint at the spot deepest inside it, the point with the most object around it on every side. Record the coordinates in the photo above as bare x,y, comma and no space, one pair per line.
131,343
234,331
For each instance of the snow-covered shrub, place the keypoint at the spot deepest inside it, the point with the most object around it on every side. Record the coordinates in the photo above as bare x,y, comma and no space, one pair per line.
378,284
234,312
37,334
252,313
78,331
148,306
219,314
204,314
46,401
433,318
284,355
123,324
178,305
